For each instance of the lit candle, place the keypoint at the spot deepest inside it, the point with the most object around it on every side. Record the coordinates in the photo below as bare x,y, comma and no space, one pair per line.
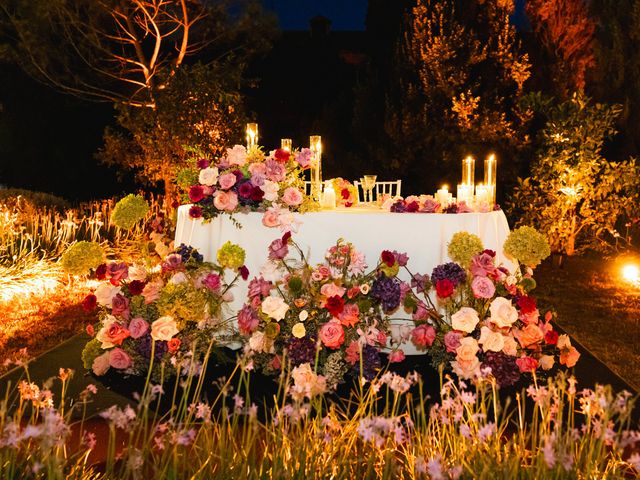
442,196
286,144
468,171
328,196
252,135
465,193
482,194
490,177
315,145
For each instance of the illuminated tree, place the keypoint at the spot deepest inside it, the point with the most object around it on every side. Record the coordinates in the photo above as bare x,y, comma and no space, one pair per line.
574,194
566,31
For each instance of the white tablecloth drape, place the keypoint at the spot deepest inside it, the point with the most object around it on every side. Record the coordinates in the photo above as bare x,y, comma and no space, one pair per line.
424,237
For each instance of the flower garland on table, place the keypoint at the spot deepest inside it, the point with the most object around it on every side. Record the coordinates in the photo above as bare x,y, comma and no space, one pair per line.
333,316
162,316
248,180
428,204
483,315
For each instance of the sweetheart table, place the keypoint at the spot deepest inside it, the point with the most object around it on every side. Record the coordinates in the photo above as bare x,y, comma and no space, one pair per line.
423,236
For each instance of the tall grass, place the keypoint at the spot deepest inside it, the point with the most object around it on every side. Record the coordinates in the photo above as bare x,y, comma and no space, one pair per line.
385,429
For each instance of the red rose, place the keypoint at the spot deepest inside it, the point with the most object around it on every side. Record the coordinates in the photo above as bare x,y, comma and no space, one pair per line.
173,345
412,207
527,364
344,193
282,155
196,193
101,271
335,305
388,258
551,337
136,287
89,302
527,304
257,194
444,288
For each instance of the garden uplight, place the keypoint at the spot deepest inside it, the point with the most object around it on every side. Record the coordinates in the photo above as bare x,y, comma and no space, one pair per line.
631,273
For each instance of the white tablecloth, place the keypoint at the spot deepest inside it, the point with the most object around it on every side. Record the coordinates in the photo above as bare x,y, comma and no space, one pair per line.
423,236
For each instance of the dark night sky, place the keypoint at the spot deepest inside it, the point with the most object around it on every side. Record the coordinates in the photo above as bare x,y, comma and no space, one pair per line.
295,14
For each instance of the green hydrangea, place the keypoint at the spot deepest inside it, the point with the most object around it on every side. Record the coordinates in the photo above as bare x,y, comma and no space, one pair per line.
81,257
183,302
231,256
91,350
128,211
463,247
527,245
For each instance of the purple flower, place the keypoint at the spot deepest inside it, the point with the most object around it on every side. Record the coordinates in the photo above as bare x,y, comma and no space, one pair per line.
138,327
275,170
430,206
244,272
303,157
387,290
370,363
453,208
420,282
278,249
245,189
172,262
259,287
144,347
117,271
503,368
398,207
202,163
302,350
450,271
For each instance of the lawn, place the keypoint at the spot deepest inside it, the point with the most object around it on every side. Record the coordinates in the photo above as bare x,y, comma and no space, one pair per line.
597,308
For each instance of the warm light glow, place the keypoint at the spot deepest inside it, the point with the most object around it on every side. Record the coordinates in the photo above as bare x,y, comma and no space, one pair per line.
468,170
252,135
631,273
315,145
286,144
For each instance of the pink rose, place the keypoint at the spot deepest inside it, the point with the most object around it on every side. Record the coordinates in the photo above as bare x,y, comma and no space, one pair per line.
117,271
120,306
212,282
483,287
421,312
138,327
271,217
164,328
423,336
569,357
278,249
350,315
275,170
332,334
332,290
248,320
452,341
119,359
527,364
100,364
396,356
292,196
227,180
227,201
151,291
303,157
482,265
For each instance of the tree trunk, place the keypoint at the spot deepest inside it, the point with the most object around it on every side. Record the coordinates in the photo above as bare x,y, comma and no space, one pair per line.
570,248
169,194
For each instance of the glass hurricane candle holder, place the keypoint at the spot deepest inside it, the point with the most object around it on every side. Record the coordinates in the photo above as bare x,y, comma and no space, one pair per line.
468,171
286,144
252,135
315,145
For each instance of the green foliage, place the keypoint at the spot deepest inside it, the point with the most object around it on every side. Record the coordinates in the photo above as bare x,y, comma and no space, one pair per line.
8,196
129,211
81,257
574,195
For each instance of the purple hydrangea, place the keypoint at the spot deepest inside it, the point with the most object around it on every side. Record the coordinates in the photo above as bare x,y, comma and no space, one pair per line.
451,271
302,350
503,368
387,290
370,363
398,207
145,344
187,252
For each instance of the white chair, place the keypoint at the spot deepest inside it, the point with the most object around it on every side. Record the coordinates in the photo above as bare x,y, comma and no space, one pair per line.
392,189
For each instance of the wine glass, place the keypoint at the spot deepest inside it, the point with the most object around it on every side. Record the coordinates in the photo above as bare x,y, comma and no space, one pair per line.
368,182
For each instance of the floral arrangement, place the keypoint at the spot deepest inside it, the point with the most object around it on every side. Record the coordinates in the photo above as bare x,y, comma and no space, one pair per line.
428,204
332,316
156,318
248,180
346,192
483,316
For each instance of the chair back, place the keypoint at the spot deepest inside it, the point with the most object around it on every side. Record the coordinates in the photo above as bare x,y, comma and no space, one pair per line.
392,188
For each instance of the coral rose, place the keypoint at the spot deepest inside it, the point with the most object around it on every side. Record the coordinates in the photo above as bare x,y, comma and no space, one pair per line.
423,336
332,334
226,201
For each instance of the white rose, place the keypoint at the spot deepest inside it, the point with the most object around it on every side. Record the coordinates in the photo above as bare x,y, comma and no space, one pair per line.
208,176
510,347
275,307
257,342
503,313
102,336
105,293
164,328
303,315
137,272
546,362
237,155
100,364
465,320
563,342
177,278
490,340
271,272
270,190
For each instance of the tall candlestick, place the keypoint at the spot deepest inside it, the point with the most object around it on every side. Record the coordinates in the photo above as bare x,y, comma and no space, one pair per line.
252,135
490,176
468,170
286,144
315,145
